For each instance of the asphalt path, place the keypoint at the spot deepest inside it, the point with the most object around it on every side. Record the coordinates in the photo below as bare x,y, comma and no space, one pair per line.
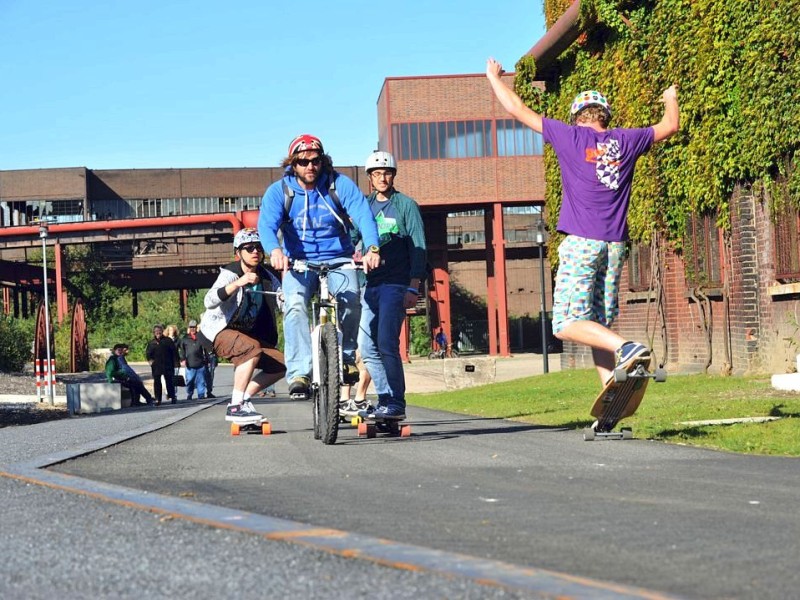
466,507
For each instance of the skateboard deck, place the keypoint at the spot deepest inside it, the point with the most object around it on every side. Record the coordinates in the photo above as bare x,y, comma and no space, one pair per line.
620,398
371,426
260,425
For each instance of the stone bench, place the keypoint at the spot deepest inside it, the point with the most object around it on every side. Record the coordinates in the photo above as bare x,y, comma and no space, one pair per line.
91,393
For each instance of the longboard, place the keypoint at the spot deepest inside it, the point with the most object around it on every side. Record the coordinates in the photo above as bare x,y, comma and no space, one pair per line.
371,426
259,424
620,398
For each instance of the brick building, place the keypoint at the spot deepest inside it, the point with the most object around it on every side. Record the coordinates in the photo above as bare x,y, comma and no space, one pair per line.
479,178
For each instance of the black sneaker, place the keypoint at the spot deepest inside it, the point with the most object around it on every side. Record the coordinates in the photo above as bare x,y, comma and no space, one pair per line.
299,386
239,412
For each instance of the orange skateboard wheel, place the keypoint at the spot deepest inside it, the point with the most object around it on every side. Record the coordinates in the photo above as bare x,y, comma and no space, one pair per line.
235,429
266,429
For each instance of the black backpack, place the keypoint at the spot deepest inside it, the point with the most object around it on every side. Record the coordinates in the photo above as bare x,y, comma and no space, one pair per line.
341,214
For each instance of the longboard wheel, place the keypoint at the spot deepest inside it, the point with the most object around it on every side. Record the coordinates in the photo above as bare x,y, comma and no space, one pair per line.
627,433
235,429
266,429
371,430
620,375
588,434
356,421
362,428
660,375
405,431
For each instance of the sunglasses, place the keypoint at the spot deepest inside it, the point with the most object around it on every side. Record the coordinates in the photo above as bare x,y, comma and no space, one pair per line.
251,248
304,162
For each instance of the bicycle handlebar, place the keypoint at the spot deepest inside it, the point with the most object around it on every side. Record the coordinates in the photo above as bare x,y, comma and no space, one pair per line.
301,266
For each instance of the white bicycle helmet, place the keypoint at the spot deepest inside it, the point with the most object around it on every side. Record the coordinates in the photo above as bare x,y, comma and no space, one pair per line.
380,160
244,236
589,98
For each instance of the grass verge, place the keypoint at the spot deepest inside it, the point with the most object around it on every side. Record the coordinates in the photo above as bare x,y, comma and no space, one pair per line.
563,400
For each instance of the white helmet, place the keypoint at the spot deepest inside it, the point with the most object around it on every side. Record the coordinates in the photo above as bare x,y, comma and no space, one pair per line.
246,236
380,160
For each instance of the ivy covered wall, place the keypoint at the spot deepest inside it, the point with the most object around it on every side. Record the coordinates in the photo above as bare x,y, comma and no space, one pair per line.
738,71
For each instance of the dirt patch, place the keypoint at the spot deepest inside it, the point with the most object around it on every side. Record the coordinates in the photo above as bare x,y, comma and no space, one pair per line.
24,384
30,414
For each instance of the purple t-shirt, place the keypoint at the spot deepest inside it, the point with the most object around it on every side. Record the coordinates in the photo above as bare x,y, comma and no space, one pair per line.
596,174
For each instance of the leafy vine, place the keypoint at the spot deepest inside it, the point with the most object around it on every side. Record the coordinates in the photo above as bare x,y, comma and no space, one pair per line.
737,70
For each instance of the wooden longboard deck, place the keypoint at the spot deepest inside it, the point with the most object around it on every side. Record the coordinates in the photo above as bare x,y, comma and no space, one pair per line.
618,401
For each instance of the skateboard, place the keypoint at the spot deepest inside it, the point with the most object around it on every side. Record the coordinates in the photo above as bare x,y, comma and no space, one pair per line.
258,424
620,398
371,426
350,416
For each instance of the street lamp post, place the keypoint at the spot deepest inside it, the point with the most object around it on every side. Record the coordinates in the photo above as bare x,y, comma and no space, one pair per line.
541,239
48,367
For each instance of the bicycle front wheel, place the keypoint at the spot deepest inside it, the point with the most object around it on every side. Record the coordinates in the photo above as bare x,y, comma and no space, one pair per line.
327,405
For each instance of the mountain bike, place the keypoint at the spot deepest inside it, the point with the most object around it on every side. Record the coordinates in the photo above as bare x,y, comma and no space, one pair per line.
442,353
326,352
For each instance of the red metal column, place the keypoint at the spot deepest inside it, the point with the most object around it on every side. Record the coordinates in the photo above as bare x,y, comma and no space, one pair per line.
499,243
404,340
491,303
61,294
440,294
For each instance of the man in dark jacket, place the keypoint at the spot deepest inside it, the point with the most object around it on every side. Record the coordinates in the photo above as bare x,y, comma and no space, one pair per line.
194,359
161,354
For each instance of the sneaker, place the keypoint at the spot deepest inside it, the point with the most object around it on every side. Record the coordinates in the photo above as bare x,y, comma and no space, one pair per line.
353,407
210,395
350,374
239,412
367,412
629,352
248,406
299,385
394,412
361,404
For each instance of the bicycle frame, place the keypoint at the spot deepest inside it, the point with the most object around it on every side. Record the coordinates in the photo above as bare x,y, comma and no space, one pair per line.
323,310
325,333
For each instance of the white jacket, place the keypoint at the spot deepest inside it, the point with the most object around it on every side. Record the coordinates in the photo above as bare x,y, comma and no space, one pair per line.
220,310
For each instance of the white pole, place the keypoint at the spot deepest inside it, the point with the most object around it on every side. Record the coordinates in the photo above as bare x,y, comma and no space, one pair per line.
49,365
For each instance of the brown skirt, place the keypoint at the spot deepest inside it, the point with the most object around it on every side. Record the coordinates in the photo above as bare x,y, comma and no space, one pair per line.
239,348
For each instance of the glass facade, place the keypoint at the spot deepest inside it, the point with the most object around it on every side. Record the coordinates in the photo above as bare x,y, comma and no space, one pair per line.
464,139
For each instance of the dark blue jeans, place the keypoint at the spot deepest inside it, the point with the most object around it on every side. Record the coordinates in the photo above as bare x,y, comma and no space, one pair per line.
382,316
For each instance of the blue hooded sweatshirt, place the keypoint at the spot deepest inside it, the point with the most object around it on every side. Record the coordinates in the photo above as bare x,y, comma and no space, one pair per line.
315,231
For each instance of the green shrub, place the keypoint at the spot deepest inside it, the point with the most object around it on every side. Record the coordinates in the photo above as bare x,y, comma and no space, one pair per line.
16,343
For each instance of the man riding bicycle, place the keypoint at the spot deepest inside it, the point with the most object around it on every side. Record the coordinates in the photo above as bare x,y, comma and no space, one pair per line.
312,207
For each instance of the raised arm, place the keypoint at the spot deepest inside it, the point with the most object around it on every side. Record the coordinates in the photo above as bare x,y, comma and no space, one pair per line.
510,101
671,121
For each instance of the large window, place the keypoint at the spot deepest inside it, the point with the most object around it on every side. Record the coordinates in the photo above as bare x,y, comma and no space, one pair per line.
639,267
703,252
516,139
787,246
450,139
464,139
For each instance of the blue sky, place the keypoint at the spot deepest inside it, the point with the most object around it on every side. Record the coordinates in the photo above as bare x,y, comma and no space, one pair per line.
123,84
